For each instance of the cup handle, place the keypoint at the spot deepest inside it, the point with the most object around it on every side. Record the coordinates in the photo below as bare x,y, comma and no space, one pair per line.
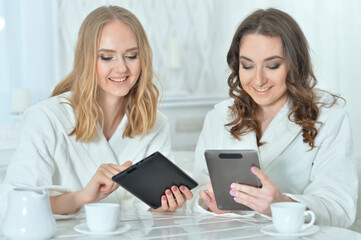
313,218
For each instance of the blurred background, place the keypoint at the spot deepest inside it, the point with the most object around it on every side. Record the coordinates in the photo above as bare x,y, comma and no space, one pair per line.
190,40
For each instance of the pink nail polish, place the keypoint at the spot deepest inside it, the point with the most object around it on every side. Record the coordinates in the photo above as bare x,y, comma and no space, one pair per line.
163,198
182,188
168,192
235,199
233,192
208,199
174,189
233,186
254,169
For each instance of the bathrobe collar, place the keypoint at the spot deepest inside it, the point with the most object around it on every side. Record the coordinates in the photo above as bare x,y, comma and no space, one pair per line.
279,134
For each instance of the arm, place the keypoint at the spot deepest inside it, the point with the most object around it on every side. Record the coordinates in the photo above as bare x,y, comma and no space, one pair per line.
161,140
333,188
32,163
99,187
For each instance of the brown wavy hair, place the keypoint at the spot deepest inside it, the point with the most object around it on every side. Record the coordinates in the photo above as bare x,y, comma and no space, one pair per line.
300,79
140,102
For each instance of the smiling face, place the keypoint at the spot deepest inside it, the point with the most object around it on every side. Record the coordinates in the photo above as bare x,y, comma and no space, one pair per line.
263,71
118,63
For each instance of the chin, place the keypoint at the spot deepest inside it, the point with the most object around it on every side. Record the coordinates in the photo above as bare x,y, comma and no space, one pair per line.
262,102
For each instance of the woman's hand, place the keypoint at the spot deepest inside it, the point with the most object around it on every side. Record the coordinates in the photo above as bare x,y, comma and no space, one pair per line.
174,198
210,200
101,184
259,199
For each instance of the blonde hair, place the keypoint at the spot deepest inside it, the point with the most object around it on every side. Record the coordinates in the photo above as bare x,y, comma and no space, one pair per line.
140,102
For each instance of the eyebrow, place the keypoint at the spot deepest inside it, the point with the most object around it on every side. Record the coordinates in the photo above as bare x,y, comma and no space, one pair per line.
113,51
267,59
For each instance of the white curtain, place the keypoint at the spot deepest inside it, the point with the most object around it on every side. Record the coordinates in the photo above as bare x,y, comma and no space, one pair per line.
28,51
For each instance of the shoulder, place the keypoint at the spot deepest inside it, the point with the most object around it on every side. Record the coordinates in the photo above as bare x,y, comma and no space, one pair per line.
332,114
330,106
161,118
59,102
160,123
220,112
224,105
57,107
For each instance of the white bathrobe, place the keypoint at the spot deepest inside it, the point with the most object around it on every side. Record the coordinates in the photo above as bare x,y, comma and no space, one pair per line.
46,156
325,178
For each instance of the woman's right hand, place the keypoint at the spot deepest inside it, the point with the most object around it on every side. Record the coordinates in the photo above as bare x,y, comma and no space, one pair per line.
210,200
101,184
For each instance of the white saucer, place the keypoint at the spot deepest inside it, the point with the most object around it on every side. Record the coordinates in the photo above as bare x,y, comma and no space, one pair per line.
83,228
61,217
270,230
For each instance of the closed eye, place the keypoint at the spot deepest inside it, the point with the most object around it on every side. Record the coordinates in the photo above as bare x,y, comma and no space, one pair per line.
274,66
106,58
246,67
132,56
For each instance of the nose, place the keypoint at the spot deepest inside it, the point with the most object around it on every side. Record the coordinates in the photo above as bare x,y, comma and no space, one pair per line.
121,66
260,79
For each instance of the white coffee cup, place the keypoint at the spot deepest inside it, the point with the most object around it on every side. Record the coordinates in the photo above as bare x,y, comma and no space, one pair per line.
289,217
102,217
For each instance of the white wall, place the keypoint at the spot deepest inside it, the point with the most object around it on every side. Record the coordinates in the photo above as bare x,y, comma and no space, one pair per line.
38,42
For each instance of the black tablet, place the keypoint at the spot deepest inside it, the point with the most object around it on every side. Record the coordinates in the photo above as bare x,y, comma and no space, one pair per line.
226,167
149,178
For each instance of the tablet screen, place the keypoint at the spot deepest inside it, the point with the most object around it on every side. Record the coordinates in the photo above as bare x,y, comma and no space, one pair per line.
149,178
226,167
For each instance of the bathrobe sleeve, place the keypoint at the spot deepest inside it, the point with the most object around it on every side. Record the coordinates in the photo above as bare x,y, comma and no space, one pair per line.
200,171
332,190
32,163
205,141
161,140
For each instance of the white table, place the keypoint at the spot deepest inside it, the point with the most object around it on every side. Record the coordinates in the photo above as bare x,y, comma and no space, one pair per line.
193,226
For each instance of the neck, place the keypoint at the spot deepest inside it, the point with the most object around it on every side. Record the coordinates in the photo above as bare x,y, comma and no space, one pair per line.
113,113
266,114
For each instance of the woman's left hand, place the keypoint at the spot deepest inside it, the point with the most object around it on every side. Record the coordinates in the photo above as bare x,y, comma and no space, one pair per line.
174,198
259,199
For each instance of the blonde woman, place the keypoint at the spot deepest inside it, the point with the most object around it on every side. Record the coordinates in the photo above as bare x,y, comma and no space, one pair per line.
102,117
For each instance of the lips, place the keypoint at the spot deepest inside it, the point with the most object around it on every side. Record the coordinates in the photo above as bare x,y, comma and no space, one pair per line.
118,79
262,90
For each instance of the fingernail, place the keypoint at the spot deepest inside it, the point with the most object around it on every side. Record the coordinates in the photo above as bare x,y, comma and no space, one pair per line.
168,192
182,188
208,199
233,186
174,188
163,198
235,199
233,192
254,169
